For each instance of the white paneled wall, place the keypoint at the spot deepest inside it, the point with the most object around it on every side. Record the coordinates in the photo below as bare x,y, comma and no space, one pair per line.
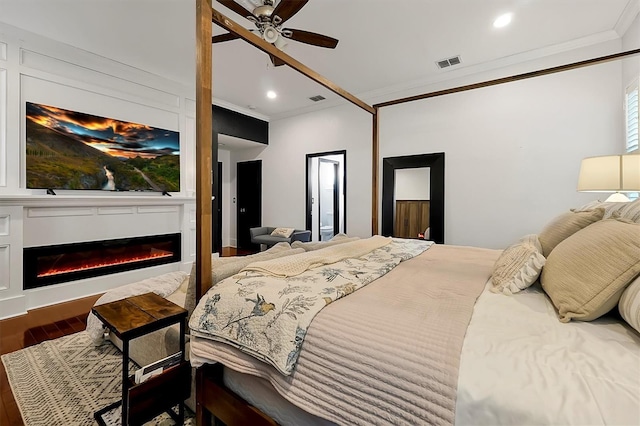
3,114
40,70
11,298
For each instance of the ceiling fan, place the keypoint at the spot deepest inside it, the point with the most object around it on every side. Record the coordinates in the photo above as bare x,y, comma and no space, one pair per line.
268,20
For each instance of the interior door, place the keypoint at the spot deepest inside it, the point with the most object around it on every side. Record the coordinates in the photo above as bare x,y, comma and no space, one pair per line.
216,228
249,197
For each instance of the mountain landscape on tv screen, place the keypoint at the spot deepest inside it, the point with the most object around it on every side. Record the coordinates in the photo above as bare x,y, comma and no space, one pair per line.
72,150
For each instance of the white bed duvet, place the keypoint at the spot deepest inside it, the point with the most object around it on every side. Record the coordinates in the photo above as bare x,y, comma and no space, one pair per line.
521,366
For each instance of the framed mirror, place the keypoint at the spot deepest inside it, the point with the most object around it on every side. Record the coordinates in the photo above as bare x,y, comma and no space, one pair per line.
431,208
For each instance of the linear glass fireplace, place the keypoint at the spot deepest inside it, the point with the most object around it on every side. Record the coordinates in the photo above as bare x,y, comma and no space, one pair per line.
68,262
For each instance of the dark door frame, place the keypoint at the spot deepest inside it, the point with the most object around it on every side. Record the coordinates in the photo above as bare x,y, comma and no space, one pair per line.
309,189
436,207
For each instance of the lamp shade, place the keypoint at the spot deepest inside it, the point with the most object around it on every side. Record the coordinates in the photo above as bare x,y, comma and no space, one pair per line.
612,173
631,173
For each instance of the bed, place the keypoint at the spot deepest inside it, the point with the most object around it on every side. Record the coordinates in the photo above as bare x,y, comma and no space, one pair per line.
508,360
430,343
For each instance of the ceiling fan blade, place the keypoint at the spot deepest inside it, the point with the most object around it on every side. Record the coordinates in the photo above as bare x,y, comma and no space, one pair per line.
236,8
275,61
311,38
287,8
223,37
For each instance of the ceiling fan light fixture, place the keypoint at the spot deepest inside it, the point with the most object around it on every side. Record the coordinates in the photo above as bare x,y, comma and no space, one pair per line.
270,34
280,42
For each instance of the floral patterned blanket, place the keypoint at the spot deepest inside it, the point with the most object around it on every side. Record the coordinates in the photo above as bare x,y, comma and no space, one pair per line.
267,317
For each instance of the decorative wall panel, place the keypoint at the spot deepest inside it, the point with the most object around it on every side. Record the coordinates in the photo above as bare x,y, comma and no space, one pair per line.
116,210
3,125
5,267
60,211
158,209
81,73
5,222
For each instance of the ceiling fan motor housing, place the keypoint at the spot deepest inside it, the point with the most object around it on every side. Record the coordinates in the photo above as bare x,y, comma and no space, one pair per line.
263,12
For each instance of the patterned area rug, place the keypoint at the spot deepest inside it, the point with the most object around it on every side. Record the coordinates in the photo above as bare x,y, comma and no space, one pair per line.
64,381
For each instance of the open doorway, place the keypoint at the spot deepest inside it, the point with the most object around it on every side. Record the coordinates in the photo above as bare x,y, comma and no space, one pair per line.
326,194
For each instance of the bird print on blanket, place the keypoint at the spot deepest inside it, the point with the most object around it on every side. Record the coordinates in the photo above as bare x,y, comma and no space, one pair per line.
259,309
272,325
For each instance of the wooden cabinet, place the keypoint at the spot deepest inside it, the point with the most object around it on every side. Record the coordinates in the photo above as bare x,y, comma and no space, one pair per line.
412,218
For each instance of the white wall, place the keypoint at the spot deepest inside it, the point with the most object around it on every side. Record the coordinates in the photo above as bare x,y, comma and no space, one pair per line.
631,66
283,165
513,151
41,70
630,41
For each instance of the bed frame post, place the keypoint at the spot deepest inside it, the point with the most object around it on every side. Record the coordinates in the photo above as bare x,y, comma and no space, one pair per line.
204,135
203,416
375,148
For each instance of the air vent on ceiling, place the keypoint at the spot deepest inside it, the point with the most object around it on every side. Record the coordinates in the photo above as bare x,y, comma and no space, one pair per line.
317,98
449,62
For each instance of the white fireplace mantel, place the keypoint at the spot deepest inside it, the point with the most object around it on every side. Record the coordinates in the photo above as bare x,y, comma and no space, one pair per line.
92,201
29,220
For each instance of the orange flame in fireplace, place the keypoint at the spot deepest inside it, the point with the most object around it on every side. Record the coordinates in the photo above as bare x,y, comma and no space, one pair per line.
103,263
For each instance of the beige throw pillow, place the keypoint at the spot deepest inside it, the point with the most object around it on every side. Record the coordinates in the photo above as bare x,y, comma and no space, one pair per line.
586,274
518,266
629,305
282,232
566,225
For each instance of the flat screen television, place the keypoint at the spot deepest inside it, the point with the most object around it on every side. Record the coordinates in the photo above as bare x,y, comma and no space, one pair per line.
72,150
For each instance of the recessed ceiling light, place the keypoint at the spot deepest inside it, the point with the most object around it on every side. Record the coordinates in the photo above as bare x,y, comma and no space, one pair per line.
503,20
271,94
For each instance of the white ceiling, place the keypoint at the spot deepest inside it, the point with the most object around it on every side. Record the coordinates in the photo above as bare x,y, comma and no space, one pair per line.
385,45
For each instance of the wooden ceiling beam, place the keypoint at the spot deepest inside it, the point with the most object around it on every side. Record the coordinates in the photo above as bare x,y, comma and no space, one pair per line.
236,29
517,77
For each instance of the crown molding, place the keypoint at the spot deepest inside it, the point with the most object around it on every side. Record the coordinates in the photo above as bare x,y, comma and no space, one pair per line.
391,92
627,17
520,58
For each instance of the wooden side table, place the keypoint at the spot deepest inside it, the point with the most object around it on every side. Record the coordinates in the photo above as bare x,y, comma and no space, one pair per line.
134,317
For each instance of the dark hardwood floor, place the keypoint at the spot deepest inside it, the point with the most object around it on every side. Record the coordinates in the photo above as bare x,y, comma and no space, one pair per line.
43,324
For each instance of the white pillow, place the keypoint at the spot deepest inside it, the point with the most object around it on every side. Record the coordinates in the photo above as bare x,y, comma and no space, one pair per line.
518,266
630,211
282,232
629,305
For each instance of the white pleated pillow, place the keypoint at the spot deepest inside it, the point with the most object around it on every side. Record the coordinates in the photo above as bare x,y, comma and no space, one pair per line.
631,211
629,305
518,266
